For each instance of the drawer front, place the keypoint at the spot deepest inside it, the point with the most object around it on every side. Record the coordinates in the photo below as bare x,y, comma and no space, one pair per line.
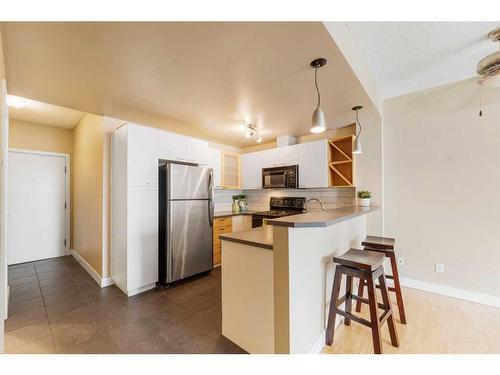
221,225
220,231
223,221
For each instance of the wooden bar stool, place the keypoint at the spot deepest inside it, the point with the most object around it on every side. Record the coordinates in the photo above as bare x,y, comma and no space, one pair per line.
385,246
367,266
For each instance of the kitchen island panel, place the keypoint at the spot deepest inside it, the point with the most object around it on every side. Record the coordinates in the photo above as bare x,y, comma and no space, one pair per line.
247,296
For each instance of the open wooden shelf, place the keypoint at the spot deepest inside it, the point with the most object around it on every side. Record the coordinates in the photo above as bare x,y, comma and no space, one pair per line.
341,162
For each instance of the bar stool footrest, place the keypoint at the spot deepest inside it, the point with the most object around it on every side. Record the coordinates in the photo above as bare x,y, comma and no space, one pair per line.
389,288
356,318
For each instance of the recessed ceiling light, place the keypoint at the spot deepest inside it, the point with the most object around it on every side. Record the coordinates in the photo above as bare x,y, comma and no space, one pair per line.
16,101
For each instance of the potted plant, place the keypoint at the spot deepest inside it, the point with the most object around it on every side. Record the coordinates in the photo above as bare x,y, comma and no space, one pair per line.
242,202
236,202
364,198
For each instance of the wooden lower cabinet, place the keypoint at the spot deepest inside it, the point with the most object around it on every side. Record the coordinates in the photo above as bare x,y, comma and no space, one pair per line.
228,224
221,225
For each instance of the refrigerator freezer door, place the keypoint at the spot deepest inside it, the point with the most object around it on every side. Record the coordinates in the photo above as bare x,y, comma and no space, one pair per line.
188,182
189,238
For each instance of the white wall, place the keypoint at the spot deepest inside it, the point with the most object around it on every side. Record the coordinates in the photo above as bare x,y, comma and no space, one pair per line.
441,185
4,147
369,166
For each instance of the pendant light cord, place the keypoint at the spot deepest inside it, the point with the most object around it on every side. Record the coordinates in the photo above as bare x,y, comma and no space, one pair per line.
316,84
357,121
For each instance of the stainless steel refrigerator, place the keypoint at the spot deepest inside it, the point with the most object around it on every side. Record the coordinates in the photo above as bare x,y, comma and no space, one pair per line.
185,221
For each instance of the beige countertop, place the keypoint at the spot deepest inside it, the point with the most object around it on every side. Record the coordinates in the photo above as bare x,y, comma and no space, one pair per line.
259,237
231,213
322,219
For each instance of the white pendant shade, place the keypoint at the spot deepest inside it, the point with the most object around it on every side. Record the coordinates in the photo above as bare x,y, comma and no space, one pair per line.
357,147
318,121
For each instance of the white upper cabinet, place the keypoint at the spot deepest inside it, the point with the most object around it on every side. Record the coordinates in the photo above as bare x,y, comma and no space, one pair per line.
269,158
142,155
196,151
214,161
281,156
313,164
288,155
251,165
171,146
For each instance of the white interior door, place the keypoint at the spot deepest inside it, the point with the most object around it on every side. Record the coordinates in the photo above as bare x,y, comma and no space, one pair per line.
36,205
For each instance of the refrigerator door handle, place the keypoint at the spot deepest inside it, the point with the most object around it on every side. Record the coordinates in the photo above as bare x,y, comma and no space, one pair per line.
210,199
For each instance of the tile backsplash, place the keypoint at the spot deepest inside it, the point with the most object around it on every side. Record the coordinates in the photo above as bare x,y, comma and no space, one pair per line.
258,200
223,199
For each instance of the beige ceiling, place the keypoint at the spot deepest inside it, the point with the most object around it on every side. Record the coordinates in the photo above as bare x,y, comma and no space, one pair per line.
195,78
45,114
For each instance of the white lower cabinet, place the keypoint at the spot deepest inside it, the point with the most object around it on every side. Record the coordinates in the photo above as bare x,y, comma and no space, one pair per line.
241,223
313,164
142,238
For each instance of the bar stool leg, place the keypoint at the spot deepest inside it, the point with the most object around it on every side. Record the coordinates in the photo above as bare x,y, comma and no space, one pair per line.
397,287
374,319
348,301
387,305
361,291
332,314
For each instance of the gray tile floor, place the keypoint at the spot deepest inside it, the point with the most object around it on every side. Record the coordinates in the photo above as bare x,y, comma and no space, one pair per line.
55,307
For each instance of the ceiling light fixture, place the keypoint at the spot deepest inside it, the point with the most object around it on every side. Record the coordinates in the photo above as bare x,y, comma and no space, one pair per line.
357,144
318,123
16,101
252,131
489,67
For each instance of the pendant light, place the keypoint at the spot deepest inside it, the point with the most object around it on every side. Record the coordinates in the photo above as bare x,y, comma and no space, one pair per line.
357,144
318,117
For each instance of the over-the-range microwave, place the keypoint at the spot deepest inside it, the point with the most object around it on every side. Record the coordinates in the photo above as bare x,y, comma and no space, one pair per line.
285,177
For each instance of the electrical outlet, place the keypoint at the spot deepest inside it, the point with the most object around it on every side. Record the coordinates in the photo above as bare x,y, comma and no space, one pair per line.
439,267
401,261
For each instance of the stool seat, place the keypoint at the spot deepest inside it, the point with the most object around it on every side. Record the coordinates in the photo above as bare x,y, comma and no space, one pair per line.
360,259
379,242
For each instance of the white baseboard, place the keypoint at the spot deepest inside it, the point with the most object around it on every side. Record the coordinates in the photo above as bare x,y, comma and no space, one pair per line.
102,282
131,293
135,291
319,344
321,340
448,291
107,281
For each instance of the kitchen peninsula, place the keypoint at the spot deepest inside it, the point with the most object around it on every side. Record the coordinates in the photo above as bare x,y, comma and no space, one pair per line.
277,279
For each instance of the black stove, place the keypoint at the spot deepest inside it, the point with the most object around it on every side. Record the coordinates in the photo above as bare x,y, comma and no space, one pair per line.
279,207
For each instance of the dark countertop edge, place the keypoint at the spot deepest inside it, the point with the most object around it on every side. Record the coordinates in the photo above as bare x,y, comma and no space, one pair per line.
321,224
230,213
236,237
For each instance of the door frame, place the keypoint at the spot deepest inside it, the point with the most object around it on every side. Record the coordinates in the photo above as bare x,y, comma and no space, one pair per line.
67,221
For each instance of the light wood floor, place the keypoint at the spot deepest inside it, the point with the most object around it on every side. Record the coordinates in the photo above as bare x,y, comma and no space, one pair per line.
436,325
